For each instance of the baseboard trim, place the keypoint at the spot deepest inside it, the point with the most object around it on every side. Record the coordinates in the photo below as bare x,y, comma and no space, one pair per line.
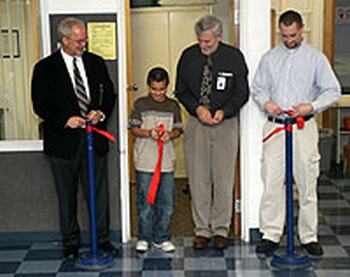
20,238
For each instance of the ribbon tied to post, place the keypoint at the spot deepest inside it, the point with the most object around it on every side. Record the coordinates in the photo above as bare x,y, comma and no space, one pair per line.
109,136
300,121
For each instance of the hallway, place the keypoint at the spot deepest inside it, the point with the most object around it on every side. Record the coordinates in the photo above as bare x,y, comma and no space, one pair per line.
239,259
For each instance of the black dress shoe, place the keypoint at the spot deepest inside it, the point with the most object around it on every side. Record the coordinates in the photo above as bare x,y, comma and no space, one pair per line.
71,252
200,242
266,246
220,242
313,248
109,247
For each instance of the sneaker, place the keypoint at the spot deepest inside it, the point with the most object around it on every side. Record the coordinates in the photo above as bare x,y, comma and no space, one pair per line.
166,246
266,246
141,246
313,248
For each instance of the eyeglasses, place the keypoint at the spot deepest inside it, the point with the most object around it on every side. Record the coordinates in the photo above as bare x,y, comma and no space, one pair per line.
80,41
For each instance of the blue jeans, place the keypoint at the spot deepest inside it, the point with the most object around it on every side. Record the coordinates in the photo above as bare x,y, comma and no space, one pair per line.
154,221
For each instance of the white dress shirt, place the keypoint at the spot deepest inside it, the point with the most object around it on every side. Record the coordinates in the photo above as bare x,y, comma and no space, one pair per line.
68,59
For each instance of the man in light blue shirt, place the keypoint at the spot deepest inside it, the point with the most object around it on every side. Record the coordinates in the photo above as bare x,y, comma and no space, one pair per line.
292,77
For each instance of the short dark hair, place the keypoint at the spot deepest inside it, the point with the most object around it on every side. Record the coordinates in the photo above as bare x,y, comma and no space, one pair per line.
289,17
157,74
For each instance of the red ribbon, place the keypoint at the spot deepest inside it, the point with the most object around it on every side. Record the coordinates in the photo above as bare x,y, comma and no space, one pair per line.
157,171
104,133
289,128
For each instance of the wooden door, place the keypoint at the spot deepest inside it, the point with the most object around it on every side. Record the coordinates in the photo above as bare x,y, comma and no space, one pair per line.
158,37
130,86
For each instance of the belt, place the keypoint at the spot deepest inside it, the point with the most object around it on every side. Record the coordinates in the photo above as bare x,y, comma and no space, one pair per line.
283,120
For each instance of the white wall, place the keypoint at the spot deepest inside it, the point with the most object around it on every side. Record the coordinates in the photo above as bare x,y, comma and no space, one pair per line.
48,7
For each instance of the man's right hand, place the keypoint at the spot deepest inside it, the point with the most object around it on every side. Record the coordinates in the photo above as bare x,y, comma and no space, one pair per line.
272,108
75,122
204,115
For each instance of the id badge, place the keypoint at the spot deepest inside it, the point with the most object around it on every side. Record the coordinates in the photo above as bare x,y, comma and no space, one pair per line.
221,83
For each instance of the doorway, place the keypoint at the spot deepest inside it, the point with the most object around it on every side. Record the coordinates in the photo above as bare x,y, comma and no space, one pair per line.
159,34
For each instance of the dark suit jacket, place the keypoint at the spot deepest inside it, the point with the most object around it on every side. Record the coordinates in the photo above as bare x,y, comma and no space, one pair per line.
54,100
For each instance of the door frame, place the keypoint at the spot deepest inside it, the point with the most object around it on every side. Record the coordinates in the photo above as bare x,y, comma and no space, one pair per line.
123,45
328,47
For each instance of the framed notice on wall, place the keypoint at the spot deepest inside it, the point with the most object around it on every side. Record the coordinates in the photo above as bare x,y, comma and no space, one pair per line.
102,39
10,43
101,32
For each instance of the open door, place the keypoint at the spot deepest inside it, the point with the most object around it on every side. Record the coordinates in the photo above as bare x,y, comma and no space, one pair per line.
130,87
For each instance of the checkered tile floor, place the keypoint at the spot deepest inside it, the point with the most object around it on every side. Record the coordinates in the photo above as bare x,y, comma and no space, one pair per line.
239,259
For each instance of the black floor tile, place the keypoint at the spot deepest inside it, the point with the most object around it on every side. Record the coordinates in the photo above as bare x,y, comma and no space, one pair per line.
328,240
207,252
294,273
163,264
9,267
36,275
329,196
15,247
212,273
341,229
121,274
245,264
335,211
37,255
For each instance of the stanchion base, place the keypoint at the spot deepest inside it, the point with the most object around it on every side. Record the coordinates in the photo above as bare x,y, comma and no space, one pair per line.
282,260
94,262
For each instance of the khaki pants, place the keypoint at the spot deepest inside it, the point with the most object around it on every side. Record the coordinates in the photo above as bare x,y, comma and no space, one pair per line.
211,156
305,172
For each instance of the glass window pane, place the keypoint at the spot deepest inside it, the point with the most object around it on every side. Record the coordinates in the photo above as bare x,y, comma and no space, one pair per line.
18,51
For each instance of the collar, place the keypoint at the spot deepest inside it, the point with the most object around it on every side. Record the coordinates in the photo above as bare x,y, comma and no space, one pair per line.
69,58
212,54
291,51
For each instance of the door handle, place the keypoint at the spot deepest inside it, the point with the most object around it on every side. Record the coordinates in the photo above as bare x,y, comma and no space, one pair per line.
134,87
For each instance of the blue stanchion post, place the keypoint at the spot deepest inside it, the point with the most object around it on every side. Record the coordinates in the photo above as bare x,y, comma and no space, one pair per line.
289,258
95,259
289,189
92,200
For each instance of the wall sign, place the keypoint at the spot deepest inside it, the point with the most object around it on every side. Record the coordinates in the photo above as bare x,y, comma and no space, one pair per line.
9,48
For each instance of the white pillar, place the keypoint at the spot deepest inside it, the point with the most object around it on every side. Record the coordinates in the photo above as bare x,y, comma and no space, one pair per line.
255,37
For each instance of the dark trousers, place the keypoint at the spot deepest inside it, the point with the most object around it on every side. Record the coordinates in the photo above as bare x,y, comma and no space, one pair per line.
67,175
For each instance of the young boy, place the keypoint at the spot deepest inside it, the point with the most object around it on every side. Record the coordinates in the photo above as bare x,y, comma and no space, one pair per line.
148,113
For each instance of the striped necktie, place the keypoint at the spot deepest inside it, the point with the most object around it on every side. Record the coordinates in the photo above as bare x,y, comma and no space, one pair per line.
80,91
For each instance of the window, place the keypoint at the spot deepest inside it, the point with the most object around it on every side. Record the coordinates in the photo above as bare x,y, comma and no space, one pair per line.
19,50
342,44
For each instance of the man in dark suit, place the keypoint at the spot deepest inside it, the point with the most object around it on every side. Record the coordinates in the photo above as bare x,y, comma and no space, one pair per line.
69,87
